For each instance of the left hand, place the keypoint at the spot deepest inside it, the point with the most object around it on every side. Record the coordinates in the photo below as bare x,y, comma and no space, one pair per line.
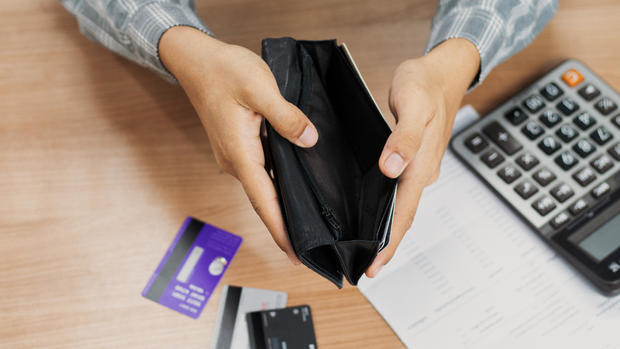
424,97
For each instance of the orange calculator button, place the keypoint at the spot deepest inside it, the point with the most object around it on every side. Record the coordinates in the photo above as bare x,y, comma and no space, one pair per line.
572,77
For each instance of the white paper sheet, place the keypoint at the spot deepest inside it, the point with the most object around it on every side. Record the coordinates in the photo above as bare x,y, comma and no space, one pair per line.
470,274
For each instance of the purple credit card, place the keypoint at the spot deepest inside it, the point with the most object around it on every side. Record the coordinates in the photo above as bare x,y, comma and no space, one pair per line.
191,268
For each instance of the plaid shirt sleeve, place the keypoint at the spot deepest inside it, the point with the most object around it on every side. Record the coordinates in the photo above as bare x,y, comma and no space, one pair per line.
132,28
498,28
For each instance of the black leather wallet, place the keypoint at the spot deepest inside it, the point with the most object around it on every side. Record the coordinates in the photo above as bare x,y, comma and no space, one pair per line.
336,203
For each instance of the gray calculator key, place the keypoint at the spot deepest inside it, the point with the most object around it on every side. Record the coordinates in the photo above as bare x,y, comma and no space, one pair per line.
589,92
544,176
534,103
549,145
602,164
492,158
584,176
605,106
559,220
601,135
544,205
476,143
532,130
502,138
550,118
566,133
509,173
584,120
584,148
526,189
567,106
528,161
562,192
551,91
614,151
578,207
566,160
600,190
516,116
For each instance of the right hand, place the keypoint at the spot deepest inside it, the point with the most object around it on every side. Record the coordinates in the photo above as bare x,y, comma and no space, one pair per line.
232,89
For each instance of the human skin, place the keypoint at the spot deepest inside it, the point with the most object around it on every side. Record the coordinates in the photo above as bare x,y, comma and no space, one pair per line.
232,90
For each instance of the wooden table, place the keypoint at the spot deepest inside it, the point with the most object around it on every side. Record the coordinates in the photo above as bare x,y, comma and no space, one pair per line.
100,161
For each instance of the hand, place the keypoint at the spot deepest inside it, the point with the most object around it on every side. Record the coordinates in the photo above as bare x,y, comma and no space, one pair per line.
232,89
425,95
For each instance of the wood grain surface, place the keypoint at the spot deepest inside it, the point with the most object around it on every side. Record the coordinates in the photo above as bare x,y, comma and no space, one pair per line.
101,160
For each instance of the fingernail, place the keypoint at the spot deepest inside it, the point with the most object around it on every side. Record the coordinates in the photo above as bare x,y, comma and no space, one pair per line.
309,137
394,164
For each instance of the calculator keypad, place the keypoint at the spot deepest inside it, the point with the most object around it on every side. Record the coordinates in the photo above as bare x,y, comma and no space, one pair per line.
544,176
605,106
534,103
527,161
566,133
584,148
584,120
567,106
532,130
551,91
498,134
476,143
601,135
589,92
566,160
516,116
492,158
584,176
549,145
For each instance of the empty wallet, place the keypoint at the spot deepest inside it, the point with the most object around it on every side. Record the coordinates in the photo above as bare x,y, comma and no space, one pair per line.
336,203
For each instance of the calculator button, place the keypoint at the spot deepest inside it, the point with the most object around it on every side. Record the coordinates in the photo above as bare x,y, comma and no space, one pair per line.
526,189
502,138
605,105
616,120
534,103
516,116
476,143
509,174
532,130
572,77
584,176
562,192
584,148
589,92
566,133
584,120
602,164
567,106
549,145
578,206
550,118
560,220
601,135
614,151
544,205
492,158
551,91
566,160
544,177
600,190
528,161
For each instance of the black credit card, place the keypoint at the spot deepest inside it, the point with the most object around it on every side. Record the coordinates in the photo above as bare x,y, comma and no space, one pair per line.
288,328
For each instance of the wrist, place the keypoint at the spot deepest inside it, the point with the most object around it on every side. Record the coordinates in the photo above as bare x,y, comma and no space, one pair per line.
456,62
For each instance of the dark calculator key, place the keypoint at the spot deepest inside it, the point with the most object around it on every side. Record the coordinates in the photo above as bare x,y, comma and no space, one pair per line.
566,160
551,91
516,116
476,143
584,176
600,190
605,106
492,158
527,161
544,205
562,192
578,207
502,138
584,120
534,103
567,106
560,220
614,151
509,174
616,120
532,130
602,164
526,189
544,177
584,148
601,135
589,92
550,118
549,145
566,133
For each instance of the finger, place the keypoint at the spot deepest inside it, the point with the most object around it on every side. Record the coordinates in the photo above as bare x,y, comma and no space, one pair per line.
259,189
413,117
285,118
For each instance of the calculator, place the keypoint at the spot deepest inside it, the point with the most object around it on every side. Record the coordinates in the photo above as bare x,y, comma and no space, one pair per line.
552,153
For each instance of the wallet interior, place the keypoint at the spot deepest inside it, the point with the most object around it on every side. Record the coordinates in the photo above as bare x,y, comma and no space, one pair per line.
337,204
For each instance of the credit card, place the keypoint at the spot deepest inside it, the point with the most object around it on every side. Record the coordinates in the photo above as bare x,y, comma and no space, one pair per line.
282,328
231,330
192,267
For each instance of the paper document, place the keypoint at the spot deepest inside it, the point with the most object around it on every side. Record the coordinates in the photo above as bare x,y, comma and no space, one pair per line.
470,274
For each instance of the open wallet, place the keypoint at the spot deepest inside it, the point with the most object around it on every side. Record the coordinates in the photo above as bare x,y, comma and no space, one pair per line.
336,203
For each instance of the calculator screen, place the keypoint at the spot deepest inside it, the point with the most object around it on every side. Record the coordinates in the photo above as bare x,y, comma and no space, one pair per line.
604,240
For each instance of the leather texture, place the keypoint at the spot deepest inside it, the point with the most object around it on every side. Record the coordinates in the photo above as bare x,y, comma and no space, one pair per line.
336,203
